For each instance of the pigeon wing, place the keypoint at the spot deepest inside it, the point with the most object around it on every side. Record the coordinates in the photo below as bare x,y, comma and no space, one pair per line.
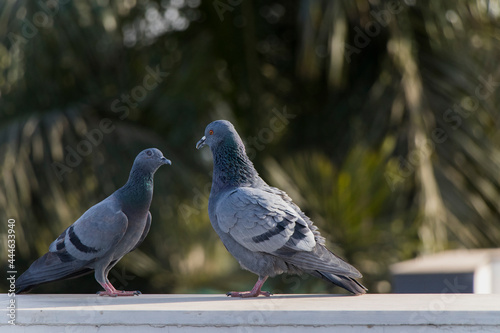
266,221
94,234
320,258
90,238
262,222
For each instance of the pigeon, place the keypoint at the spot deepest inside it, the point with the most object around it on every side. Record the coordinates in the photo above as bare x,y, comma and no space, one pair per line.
103,234
260,225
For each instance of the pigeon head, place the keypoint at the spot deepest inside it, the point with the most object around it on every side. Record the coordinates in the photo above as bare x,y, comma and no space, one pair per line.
150,160
217,133
232,167
138,190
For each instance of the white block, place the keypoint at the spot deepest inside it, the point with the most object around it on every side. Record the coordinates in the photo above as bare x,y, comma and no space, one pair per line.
278,313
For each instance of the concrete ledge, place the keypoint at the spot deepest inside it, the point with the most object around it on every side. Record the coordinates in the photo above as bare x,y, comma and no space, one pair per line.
279,313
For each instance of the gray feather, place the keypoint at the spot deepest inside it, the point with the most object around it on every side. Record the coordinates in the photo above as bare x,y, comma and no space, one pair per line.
260,225
262,222
97,231
51,267
104,233
144,232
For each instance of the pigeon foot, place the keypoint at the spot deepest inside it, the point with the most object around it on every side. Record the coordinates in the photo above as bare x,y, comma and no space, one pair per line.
246,294
118,293
112,292
255,292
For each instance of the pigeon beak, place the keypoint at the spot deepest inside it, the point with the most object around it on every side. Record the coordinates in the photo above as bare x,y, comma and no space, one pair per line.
201,143
166,161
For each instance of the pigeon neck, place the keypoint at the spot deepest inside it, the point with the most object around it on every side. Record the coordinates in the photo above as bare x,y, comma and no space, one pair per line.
138,191
232,167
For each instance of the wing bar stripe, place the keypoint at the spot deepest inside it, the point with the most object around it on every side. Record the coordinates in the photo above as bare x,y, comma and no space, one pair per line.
78,244
265,236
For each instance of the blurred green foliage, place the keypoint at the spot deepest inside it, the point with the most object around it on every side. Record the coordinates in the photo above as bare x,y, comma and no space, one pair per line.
379,118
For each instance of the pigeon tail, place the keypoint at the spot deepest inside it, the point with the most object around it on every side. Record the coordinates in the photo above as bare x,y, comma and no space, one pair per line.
345,282
50,268
319,259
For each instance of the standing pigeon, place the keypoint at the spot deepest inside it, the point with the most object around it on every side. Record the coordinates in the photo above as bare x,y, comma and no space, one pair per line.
260,225
103,234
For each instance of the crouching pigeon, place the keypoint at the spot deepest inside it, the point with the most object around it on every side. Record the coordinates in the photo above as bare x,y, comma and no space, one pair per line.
260,225
103,234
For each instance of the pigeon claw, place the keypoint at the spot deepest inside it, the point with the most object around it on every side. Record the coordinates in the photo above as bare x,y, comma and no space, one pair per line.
119,293
106,293
247,294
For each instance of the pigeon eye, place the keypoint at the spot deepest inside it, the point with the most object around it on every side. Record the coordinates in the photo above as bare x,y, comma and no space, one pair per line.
210,132
149,153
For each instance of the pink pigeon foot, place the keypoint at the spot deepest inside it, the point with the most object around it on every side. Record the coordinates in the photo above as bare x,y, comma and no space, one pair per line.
245,294
255,292
119,293
112,292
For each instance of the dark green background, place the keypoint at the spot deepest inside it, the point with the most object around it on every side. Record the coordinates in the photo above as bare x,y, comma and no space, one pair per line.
393,148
